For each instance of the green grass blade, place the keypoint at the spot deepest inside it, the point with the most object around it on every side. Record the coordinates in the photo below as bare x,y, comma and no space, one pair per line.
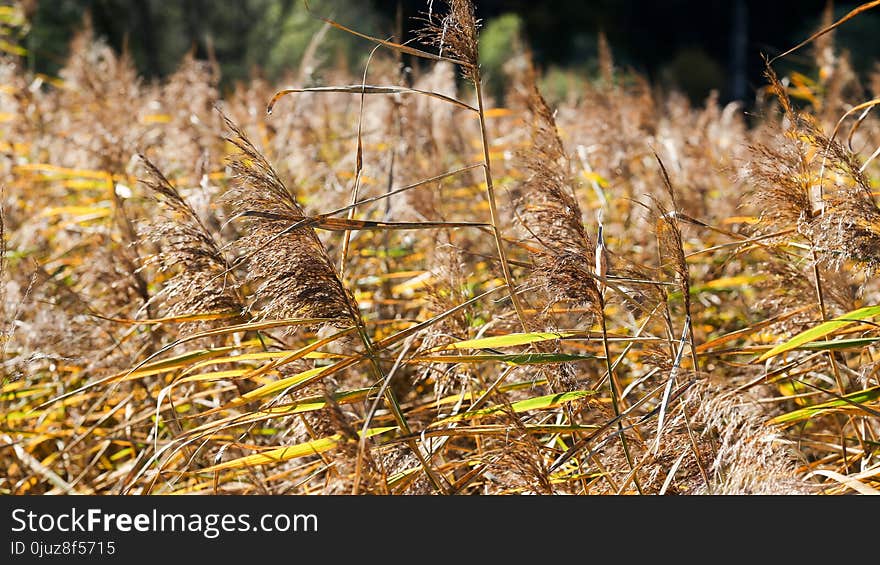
801,414
852,343
538,403
822,330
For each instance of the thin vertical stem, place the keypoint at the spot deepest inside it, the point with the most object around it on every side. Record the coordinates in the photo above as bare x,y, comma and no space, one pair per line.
820,296
615,395
493,208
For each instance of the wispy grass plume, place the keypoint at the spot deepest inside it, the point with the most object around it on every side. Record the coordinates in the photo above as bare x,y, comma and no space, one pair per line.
454,34
550,212
292,274
202,282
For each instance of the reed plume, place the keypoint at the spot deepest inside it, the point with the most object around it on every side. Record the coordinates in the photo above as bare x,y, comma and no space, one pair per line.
670,242
455,34
549,211
202,282
849,228
750,457
292,274
783,173
2,236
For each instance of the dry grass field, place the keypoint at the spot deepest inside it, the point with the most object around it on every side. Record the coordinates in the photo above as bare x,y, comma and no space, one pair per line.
392,287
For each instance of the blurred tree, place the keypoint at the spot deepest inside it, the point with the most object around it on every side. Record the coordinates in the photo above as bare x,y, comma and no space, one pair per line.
739,42
499,41
269,35
274,34
694,72
50,32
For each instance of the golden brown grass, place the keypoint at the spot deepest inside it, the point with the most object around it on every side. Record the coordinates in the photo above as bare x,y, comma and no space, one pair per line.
378,289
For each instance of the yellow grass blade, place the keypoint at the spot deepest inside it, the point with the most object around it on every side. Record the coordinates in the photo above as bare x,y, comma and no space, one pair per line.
513,359
855,12
846,481
281,454
509,340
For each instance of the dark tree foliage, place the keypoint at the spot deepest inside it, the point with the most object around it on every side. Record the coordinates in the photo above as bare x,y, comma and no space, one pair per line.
695,45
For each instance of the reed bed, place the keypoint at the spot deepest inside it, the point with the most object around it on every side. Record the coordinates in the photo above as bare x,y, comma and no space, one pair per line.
392,287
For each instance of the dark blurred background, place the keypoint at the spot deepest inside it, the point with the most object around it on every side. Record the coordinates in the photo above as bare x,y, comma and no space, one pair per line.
694,45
